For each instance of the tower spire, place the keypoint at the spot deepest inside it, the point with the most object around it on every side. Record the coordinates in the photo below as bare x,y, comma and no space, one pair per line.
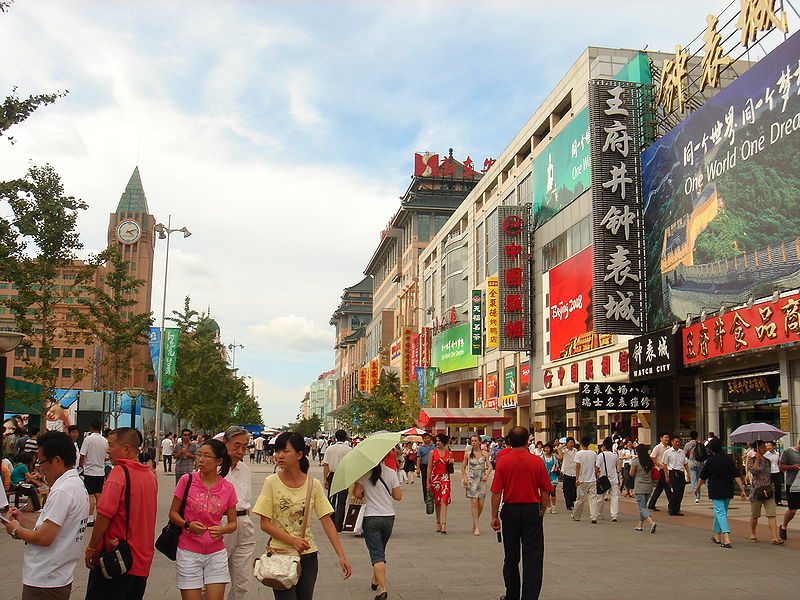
133,199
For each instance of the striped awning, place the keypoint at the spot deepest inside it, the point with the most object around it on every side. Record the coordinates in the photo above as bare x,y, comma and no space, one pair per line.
461,415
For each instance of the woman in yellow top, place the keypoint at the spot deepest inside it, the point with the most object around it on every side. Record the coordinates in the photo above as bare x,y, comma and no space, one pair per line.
280,507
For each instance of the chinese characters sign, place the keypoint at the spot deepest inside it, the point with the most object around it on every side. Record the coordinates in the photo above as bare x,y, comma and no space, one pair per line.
765,325
451,349
614,396
428,165
514,297
492,312
491,400
752,389
618,287
407,353
477,323
653,355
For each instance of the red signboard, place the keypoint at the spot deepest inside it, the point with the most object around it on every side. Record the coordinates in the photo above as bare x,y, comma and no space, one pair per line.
524,377
491,386
570,303
764,325
426,165
479,390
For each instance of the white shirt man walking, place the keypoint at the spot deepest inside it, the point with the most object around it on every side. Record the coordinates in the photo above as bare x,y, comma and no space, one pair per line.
93,458
586,476
55,541
241,543
330,462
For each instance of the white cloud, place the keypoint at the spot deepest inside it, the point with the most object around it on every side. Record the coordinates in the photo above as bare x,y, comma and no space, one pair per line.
293,333
279,405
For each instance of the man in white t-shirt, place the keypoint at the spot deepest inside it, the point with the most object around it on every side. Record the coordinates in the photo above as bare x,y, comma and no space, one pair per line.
586,476
93,458
167,446
329,463
55,541
657,454
607,463
259,442
566,454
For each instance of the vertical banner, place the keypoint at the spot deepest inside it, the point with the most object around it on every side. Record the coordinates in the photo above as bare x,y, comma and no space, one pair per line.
422,384
492,312
477,323
514,297
430,384
415,339
618,300
406,353
363,375
374,374
152,343
171,338
479,393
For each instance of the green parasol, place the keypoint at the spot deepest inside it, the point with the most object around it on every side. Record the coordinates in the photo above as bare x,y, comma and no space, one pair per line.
360,460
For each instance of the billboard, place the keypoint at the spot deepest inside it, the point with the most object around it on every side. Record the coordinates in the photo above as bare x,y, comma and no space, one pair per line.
510,381
721,195
451,349
514,297
562,172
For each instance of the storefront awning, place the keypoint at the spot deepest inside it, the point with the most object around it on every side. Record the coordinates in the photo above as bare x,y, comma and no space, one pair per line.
461,415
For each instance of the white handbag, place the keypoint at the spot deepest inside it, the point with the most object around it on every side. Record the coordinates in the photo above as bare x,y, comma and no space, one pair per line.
279,568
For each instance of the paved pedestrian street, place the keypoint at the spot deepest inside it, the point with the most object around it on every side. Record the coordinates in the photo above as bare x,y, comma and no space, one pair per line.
581,560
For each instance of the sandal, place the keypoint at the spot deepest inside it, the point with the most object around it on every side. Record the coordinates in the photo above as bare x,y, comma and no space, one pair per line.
715,540
443,529
725,546
753,539
778,542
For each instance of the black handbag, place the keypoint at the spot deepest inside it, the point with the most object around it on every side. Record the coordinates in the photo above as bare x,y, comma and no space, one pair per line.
117,561
603,482
763,492
167,542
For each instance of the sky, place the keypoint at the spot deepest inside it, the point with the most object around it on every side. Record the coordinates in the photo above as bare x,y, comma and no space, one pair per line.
282,133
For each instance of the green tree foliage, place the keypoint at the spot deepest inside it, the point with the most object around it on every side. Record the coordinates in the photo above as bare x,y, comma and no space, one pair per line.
307,427
14,110
110,321
37,243
387,408
206,391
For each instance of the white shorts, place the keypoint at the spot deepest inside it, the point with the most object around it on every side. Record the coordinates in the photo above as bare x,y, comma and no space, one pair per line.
193,570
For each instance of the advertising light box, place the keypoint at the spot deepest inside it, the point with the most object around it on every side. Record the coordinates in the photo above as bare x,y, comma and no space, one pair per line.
452,349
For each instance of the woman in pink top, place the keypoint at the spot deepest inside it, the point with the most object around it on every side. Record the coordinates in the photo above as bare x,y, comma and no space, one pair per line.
202,560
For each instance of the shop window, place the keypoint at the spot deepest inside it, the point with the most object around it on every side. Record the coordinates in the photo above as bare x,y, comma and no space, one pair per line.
17,371
66,372
79,353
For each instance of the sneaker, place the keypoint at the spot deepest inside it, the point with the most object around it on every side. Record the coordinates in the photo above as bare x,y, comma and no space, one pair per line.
637,528
653,527
782,532
613,519
697,500
594,521
574,518
553,509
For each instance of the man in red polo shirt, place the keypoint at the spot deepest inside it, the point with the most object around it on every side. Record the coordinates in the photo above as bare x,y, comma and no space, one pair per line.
522,481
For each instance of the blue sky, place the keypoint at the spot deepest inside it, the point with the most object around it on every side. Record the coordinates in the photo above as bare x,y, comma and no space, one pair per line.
282,133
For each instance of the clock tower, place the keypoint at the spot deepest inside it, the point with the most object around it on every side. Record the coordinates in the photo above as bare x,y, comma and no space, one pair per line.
130,228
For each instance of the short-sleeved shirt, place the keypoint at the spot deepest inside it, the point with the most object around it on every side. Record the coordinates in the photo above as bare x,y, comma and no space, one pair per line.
773,457
31,446
675,460
335,454
607,466
586,459
166,447
377,498
657,453
760,475
423,453
68,507
568,463
520,476
642,481
241,479
791,456
284,506
142,522
205,506
94,450
18,474
184,465
719,472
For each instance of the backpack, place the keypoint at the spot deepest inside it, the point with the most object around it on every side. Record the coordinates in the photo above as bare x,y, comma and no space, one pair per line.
699,452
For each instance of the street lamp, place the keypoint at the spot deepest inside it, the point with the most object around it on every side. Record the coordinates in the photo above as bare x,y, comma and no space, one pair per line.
8,341
133,394
164,233
233,348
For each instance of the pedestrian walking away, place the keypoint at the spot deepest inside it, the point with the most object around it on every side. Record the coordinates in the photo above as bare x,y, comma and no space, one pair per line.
54,541
762,494
696,454
441,463
241,543
607,463
167,444
775,472
522,483
641,468
586,481
657,454
423,455
331,460
129,484
93,457
280,506
566,454
410,464
789,464
720,472
379,516
202,561
677,469
475,472
626,454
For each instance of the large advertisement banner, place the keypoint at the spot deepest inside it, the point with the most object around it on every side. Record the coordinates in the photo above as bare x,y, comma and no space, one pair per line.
171,339
562,172
721,195
452,349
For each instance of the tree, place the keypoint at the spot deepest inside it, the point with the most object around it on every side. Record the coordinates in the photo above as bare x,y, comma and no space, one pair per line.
386,408
307,427
248,412
14,111
38,243
110,321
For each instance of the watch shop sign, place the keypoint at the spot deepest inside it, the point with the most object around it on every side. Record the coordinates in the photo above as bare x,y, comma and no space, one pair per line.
654,355
614,396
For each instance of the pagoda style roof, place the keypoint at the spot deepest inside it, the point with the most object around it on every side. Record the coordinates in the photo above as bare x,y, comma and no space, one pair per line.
133,199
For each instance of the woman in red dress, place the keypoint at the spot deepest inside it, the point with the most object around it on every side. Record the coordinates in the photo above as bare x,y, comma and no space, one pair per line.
439,480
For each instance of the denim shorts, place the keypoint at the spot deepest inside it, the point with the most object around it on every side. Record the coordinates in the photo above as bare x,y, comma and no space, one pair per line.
377,531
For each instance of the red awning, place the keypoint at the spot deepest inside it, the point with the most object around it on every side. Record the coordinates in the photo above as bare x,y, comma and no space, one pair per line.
461,415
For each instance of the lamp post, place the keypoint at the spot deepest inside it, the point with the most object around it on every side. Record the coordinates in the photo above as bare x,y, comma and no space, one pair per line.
134,394
233,348
8,341
163,233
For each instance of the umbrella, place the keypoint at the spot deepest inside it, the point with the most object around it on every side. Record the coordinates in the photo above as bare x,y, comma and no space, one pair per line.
486,438
412,438
756,431
356,463
413,431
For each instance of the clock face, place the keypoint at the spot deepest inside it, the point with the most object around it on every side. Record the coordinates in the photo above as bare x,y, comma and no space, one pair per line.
129,232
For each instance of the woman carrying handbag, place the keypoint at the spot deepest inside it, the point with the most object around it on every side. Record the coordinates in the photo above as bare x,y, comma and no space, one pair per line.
282,505
441,466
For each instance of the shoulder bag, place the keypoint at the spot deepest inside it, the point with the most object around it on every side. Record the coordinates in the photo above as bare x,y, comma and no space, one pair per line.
167,542
450,466
603,482
279,568
117,561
